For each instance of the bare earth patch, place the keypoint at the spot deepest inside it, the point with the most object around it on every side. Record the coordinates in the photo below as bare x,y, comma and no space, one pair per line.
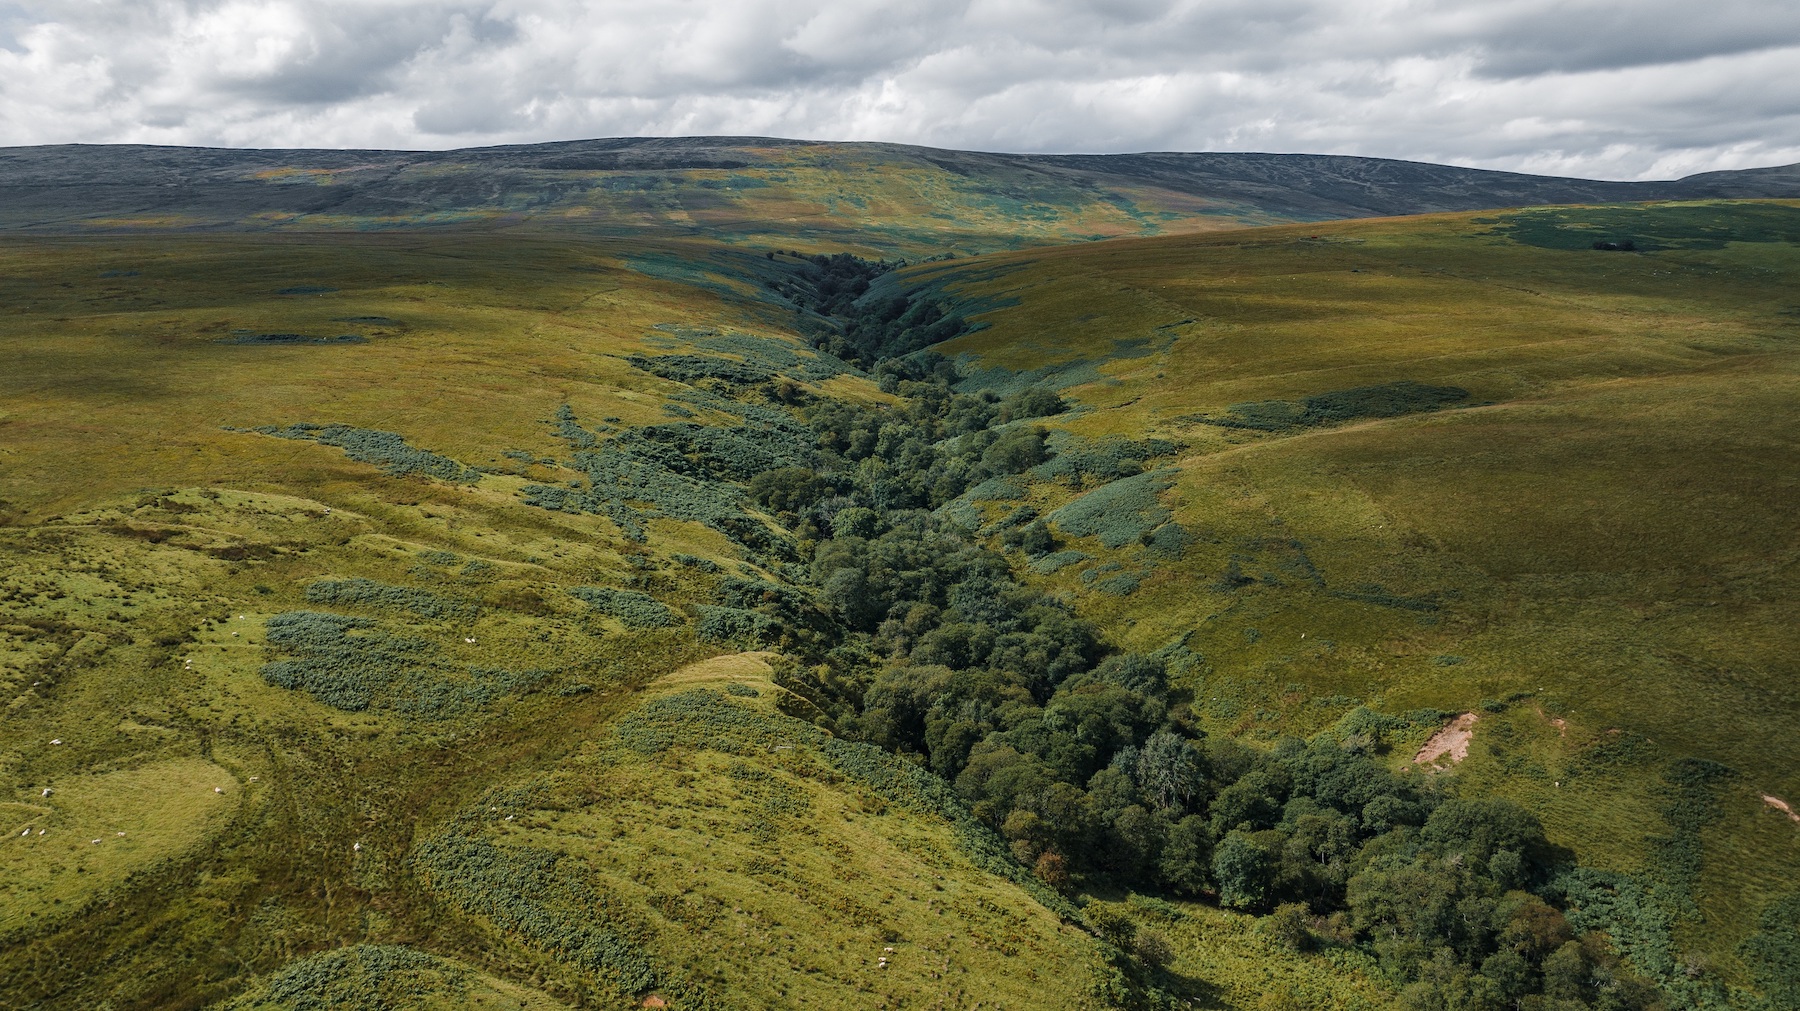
1781,805
1451,742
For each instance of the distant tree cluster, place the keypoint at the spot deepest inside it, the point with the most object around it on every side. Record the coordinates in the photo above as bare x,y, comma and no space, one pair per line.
868,326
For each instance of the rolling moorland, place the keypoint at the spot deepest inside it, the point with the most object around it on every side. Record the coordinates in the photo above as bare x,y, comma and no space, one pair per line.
546,610
760,192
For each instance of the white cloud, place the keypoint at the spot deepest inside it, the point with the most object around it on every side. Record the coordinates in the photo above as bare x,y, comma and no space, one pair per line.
1613,88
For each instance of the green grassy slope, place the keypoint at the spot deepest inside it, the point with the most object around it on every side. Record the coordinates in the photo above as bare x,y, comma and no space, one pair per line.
152,534
340,687
1594,548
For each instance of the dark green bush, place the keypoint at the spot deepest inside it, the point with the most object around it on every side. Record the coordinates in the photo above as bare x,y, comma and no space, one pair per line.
1773,952
1386,400
736,626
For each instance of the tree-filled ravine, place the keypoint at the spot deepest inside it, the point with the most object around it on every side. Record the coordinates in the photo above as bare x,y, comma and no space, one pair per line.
838,300
890,544
902,620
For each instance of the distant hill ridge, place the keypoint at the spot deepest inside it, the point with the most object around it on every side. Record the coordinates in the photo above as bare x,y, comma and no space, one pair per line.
918,195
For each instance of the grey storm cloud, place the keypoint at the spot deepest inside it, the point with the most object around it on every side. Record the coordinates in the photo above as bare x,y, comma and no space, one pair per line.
1611,88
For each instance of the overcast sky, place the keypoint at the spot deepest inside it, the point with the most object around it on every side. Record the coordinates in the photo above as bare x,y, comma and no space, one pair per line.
1604,88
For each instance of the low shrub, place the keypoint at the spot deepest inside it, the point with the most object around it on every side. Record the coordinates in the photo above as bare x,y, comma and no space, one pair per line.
696,562
569,429
1121,585
353,665
636,610
386,449
1080,460
1058,561
526,894
341,661
1005,488
694,368
1167,542
1385,400
779,356
1119,512
361,592
736,626
679,471
361,975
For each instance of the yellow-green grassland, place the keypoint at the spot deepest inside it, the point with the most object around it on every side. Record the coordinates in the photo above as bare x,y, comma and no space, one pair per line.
480,615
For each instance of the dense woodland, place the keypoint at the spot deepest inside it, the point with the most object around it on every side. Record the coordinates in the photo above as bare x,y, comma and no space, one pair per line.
1089,764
